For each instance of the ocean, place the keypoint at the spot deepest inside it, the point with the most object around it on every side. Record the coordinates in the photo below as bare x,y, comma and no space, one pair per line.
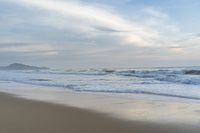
169,82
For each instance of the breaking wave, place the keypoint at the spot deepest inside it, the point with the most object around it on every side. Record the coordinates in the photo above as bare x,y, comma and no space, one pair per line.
170,82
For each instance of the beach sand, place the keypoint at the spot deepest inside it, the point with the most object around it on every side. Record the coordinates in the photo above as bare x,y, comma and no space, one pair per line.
26,116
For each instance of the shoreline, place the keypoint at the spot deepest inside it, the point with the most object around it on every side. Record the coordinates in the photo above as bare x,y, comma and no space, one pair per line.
21,116
124,107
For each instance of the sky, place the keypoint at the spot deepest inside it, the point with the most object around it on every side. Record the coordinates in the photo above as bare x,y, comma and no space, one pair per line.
71,34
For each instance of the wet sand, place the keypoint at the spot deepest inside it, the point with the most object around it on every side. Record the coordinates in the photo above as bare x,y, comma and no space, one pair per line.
26,116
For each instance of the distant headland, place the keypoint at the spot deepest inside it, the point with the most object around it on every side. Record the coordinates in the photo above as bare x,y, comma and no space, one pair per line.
19,66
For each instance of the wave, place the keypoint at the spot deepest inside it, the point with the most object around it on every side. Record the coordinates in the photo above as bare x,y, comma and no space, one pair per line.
172,76
144,81
178,76
80,88
108,70
192,72
143,92
40,80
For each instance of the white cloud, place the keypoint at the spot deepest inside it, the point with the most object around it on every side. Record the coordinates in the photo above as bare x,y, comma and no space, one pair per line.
85,30
89,16
155,13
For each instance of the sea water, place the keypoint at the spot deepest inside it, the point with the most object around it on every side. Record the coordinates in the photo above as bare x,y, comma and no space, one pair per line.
179,82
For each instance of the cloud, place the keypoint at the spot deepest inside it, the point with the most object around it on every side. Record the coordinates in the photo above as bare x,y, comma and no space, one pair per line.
93,18
42,49
155,13
107,29
91,32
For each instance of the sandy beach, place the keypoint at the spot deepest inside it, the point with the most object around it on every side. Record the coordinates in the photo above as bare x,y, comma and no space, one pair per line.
26,116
